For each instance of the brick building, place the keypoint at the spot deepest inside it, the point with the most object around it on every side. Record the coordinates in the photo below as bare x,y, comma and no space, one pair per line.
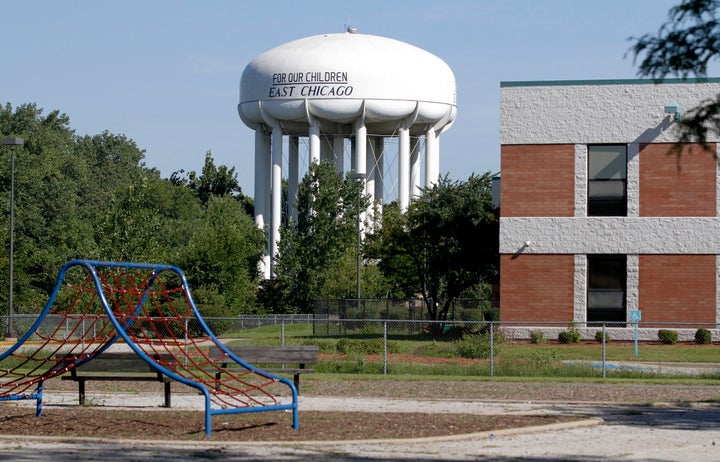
600,216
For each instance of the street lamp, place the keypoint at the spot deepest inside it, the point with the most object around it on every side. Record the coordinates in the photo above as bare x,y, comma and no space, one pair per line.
359,177
12,142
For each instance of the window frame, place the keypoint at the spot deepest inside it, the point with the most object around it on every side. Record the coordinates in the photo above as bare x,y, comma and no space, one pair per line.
602,285
608,204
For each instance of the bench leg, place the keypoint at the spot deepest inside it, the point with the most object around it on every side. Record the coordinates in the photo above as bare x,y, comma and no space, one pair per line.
167,394
296,381
81,392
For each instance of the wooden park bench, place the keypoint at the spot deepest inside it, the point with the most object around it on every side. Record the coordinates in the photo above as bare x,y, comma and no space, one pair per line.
274,359
114,367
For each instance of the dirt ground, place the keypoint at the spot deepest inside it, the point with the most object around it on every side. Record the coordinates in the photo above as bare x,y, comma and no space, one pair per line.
266,426
155,423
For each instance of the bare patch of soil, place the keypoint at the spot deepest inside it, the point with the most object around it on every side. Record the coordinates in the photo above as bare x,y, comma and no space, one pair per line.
267,426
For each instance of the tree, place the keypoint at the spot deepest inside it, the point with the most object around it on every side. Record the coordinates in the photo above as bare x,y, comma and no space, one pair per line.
221,258
312,249
684,46
446,243
48,223
390,245
213,181
92,197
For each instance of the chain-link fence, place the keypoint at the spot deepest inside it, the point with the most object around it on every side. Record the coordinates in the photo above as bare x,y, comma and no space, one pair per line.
495,349
83,326
464,347
472,309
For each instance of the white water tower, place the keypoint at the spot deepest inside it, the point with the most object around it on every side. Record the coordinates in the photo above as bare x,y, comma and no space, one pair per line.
344,89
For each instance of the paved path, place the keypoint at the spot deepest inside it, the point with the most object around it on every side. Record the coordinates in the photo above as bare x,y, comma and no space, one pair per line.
631,433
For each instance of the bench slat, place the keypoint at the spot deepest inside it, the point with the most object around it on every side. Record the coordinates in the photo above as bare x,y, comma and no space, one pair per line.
113,367
119,362
272,354
260,355
111,377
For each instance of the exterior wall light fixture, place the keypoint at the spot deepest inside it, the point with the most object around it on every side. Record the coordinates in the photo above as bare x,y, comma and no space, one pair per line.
673,108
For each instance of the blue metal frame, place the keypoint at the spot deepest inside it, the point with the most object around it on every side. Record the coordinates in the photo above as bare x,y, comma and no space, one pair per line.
121,330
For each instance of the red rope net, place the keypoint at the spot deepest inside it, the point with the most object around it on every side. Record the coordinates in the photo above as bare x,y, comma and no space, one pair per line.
150,311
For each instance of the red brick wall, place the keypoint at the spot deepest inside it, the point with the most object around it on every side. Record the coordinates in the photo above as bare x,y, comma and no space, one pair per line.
536,287
675,288
675,186
537,180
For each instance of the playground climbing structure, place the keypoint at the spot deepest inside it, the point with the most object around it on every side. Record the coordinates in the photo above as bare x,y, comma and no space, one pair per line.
145,308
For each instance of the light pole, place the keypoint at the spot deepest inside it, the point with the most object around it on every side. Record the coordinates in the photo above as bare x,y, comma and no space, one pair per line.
12,142
359,177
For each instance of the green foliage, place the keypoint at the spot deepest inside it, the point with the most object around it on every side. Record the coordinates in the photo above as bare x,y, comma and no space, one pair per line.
324,346
389,245
444,245
683,47
218,319
477,346
703,336
537,337
470,314
214,181
667,336
599,336
571,335
221,256
544,357
93,197
320,245
367,347
343,283
436,349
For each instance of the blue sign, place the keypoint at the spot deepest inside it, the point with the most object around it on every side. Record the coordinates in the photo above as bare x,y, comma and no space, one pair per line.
635,316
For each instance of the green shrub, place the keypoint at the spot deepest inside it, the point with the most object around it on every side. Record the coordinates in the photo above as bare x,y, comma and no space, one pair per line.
537,336
217,318
365,347
544,357
471,314
599,336
703,336
324,346
571,335
476,346
372,329
667,336
436,349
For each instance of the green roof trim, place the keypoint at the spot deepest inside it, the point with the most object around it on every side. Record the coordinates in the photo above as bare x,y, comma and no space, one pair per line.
567,83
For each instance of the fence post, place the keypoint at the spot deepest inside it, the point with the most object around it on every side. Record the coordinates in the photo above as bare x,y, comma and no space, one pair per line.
604,352
282,333
385,348
492,349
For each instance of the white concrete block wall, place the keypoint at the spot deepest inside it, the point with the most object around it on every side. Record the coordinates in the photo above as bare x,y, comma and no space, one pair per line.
595,111
611,235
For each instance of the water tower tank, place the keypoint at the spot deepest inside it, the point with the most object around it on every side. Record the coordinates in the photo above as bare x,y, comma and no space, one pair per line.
342,77
344,89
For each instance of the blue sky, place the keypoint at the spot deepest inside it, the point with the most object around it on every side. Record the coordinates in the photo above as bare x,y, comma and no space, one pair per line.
166,73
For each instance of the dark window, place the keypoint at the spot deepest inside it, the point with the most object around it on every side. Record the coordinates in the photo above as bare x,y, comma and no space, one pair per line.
607,282
607,180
